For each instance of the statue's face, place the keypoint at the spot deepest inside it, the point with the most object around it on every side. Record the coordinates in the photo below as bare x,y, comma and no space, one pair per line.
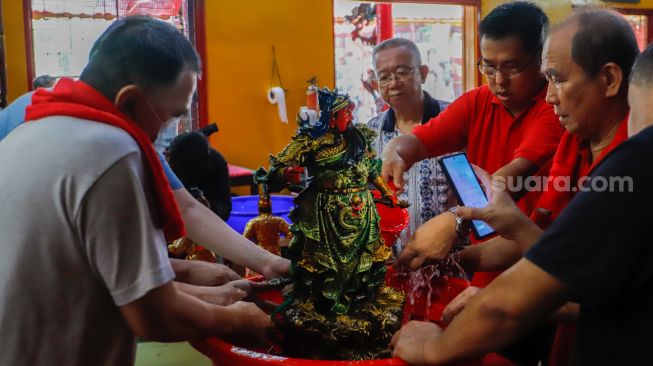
342,118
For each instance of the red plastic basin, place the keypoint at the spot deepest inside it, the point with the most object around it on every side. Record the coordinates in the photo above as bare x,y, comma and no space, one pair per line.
444,290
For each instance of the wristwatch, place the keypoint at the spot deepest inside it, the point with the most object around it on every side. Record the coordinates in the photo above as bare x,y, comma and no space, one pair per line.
463,227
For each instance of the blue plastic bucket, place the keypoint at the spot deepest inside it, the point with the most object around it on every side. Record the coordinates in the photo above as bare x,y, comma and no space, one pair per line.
245,208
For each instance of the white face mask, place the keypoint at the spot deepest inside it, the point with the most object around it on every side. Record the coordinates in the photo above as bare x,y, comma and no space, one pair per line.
167,132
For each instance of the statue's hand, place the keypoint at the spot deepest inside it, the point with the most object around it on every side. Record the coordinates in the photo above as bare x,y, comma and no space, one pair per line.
403,204
294,174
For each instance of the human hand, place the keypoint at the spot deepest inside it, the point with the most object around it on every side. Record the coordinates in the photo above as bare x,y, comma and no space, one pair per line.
501,212
250,324
458,303
410,341
293,174
393,168
211,274
223,295
200,273
275,266
250,290
431,242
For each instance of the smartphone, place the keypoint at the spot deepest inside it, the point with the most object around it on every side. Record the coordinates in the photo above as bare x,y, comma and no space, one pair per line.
467,188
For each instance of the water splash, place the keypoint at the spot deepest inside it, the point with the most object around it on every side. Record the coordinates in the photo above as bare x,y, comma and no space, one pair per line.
423,286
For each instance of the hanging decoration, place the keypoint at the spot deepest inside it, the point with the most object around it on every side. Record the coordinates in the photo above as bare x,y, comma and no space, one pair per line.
361,16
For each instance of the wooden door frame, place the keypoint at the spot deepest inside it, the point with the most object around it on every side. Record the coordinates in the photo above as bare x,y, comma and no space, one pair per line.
646,12
3,66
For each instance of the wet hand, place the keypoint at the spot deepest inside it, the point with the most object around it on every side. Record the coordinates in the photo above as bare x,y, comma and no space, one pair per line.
431,242
458,304
202,273
224,295
410,341
251,324
276,266
393,168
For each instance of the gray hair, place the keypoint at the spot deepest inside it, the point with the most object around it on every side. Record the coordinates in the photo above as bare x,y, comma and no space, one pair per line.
398,42
642,72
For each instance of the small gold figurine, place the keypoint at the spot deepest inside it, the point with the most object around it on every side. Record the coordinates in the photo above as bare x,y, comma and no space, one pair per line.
188,249
184,248
265,228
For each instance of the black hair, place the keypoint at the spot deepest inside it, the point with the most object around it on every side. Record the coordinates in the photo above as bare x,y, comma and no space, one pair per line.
43,81
138,50
197,164
188,154
520,19
399,42
642,72
603,36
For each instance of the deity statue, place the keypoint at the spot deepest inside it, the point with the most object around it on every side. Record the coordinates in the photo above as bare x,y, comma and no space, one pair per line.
184,248
265,228
339,307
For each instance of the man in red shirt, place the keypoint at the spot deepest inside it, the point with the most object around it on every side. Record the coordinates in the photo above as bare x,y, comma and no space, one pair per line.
506,127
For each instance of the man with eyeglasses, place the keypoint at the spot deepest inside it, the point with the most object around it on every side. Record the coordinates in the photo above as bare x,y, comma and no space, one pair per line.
505,127
400,74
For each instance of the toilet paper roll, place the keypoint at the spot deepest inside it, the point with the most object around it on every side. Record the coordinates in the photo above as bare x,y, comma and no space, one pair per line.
276,96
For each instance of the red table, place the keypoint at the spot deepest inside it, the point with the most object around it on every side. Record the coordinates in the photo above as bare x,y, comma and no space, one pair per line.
241,176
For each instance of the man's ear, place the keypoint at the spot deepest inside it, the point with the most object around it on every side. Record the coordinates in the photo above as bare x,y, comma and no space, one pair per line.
126,98
612,76
423,72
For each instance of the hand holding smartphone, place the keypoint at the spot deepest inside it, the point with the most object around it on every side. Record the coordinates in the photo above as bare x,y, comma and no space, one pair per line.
467,188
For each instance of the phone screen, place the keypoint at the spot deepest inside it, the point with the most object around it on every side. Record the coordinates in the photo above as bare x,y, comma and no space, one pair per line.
467,188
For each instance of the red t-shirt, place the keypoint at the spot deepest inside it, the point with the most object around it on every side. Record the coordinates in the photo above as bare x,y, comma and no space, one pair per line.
491,136
571,162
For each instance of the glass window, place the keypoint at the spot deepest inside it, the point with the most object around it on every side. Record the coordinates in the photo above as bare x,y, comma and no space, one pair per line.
63,32
437,29
639,23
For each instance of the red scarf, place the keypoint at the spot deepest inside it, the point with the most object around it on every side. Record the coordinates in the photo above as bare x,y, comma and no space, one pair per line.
571,160
78,99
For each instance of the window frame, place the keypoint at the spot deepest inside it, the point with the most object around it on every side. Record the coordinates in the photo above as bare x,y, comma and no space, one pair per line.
197,36
3,66
648,13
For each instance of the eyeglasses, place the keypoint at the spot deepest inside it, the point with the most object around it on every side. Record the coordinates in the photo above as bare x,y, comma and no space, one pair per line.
401,75
507,72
